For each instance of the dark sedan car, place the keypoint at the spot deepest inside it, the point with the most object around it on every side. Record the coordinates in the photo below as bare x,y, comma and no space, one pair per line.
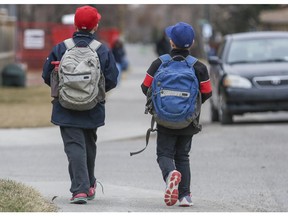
249,74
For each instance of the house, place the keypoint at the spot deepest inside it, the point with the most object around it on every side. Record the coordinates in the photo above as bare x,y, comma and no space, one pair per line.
274,20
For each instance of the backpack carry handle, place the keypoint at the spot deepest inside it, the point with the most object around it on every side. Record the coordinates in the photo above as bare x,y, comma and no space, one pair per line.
71,46
178,56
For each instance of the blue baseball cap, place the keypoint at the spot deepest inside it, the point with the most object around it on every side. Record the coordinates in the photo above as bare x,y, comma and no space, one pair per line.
182,34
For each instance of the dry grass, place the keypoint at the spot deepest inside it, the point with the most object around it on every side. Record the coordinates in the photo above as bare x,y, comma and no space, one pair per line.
16,197
25,107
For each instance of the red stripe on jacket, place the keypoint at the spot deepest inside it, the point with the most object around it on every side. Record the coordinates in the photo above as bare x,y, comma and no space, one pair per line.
205,87
148,80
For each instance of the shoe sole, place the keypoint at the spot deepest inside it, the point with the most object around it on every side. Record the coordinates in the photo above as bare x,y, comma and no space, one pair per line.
91,197
79,201
184,202
186,205
171,193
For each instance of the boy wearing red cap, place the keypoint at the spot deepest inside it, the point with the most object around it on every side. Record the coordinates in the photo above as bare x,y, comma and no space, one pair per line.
174,145
78,128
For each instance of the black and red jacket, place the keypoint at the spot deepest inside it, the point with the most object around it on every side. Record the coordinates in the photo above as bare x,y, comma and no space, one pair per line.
204,85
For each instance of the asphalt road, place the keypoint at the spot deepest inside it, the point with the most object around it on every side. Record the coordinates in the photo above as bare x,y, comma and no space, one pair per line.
237,168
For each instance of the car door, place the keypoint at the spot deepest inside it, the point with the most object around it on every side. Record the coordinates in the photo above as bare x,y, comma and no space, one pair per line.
216,71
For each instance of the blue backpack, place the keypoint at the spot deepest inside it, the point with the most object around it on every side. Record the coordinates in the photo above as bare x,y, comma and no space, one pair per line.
175,93
174,99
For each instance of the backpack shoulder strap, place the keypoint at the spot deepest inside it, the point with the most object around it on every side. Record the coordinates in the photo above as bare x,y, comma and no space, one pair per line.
151,129
165,58
191,60
69,43
94,45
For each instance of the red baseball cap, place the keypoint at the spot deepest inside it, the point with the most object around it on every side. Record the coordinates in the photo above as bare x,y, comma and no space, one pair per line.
86,18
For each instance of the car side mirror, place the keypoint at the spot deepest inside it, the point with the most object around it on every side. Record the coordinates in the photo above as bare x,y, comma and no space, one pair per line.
214,60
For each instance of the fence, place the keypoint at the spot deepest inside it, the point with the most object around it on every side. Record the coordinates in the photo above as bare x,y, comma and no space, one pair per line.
36,40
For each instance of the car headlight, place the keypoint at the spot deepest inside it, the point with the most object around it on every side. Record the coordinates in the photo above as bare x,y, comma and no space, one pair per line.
236,82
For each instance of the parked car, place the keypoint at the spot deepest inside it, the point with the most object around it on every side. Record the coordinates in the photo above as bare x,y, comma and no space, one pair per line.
249,74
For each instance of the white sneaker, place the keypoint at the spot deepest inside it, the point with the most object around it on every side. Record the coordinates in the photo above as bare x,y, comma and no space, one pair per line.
186,201
171,191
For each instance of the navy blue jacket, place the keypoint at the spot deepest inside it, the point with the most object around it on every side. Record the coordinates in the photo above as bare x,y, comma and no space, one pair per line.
95,117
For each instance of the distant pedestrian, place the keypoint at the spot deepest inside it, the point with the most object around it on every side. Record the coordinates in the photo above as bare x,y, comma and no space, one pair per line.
78,126
163,45
120,56
119,53
173,145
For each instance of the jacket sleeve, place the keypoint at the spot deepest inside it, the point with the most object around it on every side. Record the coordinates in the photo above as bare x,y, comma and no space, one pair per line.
55,55
204,81
48,67
150,75
109,68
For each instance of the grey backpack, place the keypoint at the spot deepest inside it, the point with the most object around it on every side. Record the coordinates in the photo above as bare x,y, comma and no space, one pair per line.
81,82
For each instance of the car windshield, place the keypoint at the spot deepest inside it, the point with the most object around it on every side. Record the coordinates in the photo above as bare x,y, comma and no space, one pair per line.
258,50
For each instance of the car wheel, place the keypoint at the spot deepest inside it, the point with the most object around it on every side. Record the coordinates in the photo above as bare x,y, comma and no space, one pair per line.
213,113
224,116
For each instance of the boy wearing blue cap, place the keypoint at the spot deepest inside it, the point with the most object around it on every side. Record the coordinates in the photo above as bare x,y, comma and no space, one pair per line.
174,145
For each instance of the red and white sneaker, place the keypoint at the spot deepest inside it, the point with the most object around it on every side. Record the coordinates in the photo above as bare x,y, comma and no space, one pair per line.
92,192
171,191
80,198
186,201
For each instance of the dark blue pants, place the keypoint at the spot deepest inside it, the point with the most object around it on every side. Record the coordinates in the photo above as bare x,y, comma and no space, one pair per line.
173,153
80,148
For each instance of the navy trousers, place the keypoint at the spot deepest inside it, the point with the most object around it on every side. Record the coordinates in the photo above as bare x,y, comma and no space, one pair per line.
80,148
173,153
